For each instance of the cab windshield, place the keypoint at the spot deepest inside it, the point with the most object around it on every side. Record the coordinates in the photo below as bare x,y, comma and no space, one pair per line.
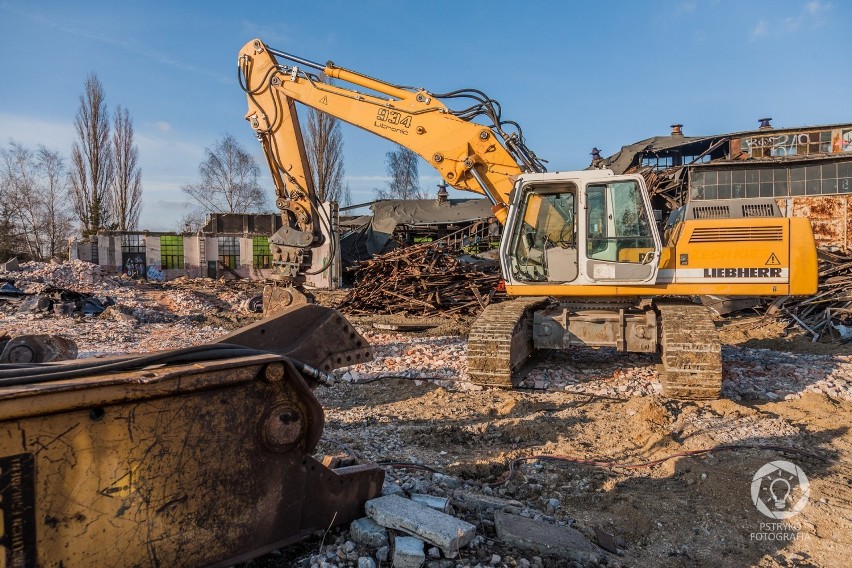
547,223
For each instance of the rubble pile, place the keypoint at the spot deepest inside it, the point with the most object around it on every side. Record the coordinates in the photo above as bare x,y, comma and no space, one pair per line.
422,280
107,314
828,313
420,520
75,274
439,358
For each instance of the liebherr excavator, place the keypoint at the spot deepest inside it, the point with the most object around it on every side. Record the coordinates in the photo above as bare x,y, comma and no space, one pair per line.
580,250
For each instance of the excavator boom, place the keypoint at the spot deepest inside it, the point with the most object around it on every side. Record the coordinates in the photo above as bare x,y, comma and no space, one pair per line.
484,159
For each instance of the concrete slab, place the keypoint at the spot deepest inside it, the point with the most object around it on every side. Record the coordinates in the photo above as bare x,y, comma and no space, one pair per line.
545,538
440,529
369,532
408,552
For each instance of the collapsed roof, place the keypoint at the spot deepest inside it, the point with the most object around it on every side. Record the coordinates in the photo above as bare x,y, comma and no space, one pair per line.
373,235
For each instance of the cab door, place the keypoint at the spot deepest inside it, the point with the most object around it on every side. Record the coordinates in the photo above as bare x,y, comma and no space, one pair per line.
619,243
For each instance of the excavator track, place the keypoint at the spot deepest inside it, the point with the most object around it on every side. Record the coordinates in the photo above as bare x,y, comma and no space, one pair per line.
691,352
500,341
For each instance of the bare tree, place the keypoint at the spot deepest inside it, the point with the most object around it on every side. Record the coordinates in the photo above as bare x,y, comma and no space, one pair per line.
346,198
405,180
9,244
324,146
126,190
34,188
8,241
91,159
57,220
228,179
20,180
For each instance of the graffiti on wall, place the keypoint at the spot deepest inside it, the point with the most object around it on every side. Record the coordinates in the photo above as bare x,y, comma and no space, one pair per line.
134,265
788,144
155,272
842,141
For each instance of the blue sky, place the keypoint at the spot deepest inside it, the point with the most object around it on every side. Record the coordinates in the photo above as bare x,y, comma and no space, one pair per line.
573,74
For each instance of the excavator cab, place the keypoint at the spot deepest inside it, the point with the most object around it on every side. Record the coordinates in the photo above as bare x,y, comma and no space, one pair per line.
595,229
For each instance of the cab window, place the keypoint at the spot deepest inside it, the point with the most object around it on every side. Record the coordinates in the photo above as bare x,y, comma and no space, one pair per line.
618,228
547,221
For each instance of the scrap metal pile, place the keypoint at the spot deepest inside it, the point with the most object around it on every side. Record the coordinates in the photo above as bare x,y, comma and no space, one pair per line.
828,313
424,279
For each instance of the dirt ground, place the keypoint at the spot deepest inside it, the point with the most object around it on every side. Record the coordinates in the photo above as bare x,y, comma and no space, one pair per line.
690,510
695,509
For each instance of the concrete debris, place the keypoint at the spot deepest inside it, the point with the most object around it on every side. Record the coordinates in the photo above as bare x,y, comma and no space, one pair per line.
444,531
845,331
479,503
446,481
367,532
140,316
391,488
606,540
383,553
11,265
408,552
545,538
438,503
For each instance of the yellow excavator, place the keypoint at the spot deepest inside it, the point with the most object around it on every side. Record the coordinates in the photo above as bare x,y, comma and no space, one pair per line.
581,251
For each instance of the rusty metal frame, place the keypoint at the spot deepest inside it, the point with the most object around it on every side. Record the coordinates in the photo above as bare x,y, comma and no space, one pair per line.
188,465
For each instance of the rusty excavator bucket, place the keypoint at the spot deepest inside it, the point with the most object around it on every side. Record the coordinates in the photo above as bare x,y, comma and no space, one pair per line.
201,456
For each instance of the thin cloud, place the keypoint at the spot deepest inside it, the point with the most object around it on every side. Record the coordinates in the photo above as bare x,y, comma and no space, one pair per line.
817,8
811,16
273,35
126,45
32,131
686,7
761,29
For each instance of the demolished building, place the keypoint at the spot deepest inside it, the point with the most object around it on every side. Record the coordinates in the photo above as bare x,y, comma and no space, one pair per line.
230,245
807,170
396,222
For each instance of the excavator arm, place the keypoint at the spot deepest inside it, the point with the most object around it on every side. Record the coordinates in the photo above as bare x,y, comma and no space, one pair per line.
483,159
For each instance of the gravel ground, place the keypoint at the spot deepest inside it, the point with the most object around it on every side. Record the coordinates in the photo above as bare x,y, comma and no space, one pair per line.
749,373
693,510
